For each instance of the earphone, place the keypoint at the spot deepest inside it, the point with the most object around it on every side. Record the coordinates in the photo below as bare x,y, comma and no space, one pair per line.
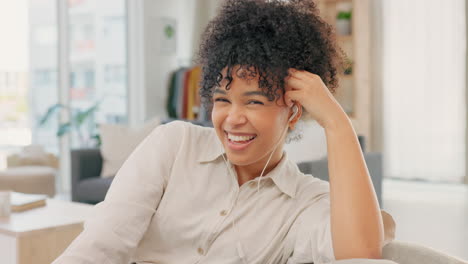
240,251
295,110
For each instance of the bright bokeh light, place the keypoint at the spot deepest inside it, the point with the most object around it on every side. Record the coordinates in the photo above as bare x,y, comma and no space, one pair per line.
15,128
14,31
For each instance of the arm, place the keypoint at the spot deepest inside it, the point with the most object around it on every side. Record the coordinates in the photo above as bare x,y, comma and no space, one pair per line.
355,212
121,220
356,222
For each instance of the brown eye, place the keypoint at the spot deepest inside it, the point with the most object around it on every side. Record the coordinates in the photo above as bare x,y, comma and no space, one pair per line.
255,102
221,100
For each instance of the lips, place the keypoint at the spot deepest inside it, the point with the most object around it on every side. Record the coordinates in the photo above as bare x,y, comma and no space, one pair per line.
240,138
239,141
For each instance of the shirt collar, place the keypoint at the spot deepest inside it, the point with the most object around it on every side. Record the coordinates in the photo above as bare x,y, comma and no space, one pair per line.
285,175
212,150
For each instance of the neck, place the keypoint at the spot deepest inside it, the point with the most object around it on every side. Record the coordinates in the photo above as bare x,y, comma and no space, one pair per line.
252,171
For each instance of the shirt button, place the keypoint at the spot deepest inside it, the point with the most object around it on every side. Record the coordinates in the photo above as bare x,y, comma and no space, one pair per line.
223,213
200,251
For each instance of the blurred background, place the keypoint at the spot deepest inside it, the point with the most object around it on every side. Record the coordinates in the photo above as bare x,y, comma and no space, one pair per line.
68,67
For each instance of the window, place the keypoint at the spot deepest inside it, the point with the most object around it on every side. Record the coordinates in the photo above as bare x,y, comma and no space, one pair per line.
98,64
424,89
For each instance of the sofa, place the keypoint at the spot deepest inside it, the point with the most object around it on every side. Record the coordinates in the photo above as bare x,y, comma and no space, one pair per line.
403,252
31,170
86,165
89,187
319,169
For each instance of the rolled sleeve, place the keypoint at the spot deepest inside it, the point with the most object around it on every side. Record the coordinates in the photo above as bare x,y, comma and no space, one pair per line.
314,241
120,221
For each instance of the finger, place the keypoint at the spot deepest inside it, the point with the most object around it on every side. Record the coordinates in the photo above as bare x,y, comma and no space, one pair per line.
295,84
292,78
292,73
287,98
308,76
288,101
292,97
303,75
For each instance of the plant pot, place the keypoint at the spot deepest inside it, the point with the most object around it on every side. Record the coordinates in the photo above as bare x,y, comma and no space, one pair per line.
343,26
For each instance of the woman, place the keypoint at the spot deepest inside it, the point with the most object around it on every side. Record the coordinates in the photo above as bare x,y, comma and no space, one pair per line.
190,194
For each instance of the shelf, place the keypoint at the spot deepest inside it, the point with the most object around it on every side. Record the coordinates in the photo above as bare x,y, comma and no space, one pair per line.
344,38
353,93
345,76
333,1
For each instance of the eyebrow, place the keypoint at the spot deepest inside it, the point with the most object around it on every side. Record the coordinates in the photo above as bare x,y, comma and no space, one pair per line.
219,91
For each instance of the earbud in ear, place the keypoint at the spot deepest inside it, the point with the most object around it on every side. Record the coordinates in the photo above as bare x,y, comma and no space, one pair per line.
295,109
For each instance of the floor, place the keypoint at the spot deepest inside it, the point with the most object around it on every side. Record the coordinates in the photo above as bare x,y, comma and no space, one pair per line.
435,215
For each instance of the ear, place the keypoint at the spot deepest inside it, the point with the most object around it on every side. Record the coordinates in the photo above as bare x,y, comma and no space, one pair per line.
293,122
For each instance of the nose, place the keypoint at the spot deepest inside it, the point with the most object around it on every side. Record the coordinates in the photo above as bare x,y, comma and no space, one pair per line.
236,116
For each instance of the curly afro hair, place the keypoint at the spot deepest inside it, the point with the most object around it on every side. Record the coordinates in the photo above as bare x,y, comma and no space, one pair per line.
266,38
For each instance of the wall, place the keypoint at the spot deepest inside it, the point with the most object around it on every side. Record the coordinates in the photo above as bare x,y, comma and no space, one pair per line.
466,94
157,64
362,118
192,17
376,71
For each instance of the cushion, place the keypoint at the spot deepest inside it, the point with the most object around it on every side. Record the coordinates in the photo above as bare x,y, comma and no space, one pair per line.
94,189
29,179
118,142
32,155
412,253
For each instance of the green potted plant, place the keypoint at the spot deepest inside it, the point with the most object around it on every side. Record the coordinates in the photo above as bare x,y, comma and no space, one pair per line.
78,118
343,19
348,66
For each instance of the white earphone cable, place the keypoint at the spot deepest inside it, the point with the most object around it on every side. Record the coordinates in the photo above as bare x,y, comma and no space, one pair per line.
233,222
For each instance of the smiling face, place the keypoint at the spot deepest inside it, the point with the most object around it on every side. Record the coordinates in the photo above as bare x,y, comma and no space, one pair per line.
248,125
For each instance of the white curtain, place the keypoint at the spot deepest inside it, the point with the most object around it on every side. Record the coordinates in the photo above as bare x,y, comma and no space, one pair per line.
424,89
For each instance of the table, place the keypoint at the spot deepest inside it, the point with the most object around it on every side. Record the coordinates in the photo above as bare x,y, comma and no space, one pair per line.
41,234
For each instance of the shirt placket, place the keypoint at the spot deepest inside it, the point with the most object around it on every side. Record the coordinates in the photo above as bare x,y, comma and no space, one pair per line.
222,215
228,214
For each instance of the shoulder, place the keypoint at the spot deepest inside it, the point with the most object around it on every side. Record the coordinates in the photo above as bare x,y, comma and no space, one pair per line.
186,134
183,128
310,188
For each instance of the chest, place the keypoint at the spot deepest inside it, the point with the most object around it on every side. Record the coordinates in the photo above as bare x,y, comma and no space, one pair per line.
207,213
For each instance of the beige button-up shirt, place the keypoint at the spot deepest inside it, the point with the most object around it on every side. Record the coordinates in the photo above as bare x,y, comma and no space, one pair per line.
175,200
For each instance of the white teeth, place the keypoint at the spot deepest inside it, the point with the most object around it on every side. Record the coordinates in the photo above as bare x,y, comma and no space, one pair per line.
240,138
